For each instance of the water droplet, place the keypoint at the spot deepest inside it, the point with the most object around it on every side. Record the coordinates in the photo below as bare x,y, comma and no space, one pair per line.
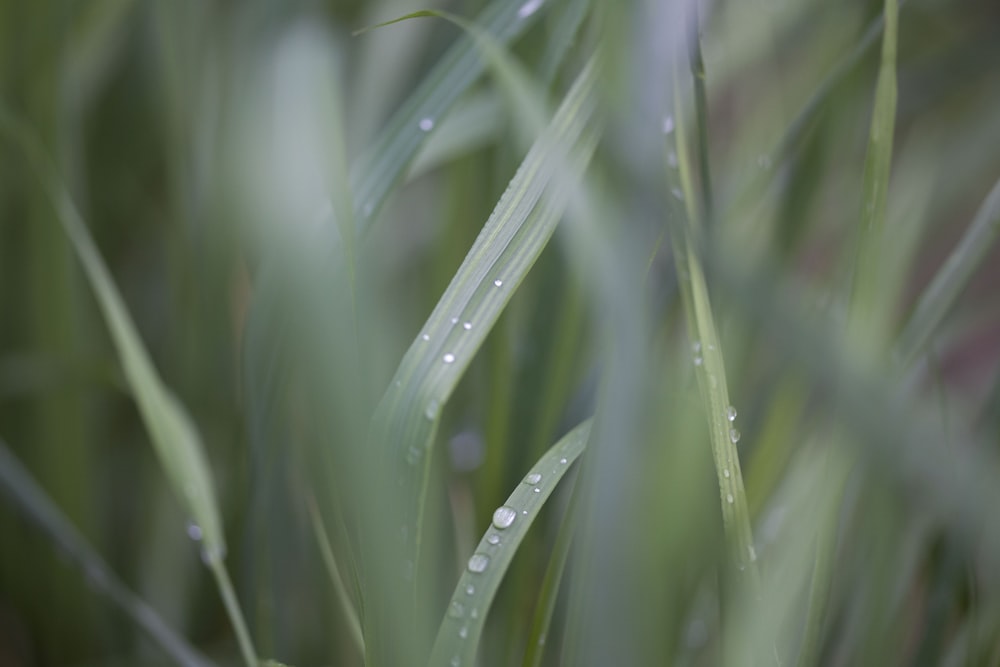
563,461
537,490
474,613
668,124
470,589
529,8
524,511
741,567
672,159
493,539
432,409
676,192
711,346
448,358
731,413
734,435
726,473
497,283
467,326
454,320
194,532
455,662
426,124
533,478
697,361
478,563
426,337
463,632
753,554
456,610
696,347
368,209
729,498
503,517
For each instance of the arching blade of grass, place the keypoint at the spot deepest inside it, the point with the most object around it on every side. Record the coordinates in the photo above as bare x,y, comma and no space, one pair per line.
173,434
947,284
385,163
546,603
458,638
33,502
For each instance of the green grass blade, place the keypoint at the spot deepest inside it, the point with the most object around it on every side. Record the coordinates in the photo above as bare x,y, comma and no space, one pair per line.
940,295
330,562
173,434
35,504
710,366
867,318
380,169
458,638
549,593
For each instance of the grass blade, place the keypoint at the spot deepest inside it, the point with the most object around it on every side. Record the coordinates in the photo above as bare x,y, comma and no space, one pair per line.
386,162
549,592
33,502
710,367
944,289
173,434
458,637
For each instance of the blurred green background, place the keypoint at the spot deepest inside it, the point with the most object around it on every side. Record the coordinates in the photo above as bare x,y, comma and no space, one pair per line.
151,109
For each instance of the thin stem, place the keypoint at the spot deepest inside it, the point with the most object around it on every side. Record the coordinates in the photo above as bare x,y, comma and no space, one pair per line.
218,568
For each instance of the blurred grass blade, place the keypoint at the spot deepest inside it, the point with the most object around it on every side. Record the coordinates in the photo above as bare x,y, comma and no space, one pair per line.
875,183
474,123
940,295
326,550
548,594
709,365
33,502
173,434
381,168
458,638
867,318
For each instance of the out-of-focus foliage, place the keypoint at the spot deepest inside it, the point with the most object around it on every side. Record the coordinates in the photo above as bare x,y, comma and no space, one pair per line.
288,208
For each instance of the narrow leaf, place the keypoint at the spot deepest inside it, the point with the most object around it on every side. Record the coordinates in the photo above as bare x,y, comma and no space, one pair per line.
462,627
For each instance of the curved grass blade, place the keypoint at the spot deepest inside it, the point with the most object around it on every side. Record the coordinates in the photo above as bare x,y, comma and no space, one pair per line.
174,436
35,504
549,592
326,550
382,167
944,289
458,638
